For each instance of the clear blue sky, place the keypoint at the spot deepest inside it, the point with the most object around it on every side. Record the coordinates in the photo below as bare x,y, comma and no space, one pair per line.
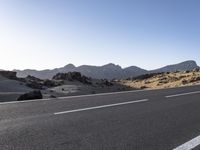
43,34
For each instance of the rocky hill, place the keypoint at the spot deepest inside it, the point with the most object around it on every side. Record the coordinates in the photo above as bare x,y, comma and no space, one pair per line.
187,65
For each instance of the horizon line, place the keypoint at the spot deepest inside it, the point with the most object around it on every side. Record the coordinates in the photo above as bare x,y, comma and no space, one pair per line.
99,66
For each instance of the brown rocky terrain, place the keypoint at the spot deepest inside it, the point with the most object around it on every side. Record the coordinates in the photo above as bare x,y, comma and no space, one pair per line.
164,80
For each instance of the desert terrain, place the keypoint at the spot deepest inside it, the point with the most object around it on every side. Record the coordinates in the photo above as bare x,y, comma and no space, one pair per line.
74,83
61,85
163,80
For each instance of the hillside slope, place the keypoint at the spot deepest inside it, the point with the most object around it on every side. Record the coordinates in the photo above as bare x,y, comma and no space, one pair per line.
164,80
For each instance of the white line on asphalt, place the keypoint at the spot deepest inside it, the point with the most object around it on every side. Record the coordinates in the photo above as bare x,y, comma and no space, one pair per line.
190,144
98,107
182,94
90,95
7,93
25,101
68,97
77,96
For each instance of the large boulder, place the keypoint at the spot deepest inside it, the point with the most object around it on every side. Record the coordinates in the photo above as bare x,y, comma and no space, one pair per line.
31,95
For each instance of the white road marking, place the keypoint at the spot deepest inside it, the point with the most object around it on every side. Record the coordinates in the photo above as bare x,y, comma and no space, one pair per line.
68,97
183,94
90,95
190,144
25,101
99,107
77,96
7,93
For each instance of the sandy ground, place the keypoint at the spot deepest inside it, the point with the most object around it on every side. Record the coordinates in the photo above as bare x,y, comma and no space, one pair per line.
12,86
165,80
77,88
11,89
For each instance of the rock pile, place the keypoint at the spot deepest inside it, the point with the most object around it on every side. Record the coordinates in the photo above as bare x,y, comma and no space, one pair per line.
72,76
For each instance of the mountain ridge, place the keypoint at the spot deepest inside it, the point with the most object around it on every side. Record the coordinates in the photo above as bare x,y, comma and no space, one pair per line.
108,71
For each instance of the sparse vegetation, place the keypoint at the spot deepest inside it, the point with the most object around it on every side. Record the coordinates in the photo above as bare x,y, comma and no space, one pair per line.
164,80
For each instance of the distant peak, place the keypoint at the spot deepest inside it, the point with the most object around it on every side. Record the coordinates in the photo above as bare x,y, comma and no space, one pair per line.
190,62
70,66
133,67
111,65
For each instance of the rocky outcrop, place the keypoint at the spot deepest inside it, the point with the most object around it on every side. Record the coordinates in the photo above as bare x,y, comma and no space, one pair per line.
31,95
72,76
8,74
36,83
52,83
33,82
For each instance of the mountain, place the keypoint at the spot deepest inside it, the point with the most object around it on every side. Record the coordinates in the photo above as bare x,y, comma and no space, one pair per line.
134,71
44,74
108,71
186,65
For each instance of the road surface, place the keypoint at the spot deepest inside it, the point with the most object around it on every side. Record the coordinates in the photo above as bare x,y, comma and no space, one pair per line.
135,120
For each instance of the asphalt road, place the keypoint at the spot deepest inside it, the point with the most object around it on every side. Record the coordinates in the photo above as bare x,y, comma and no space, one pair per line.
137,120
